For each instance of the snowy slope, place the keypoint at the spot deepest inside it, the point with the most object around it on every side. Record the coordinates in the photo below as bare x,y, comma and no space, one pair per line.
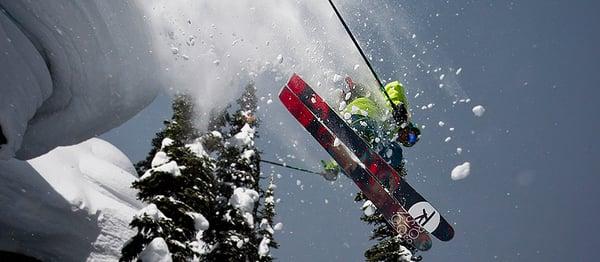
71,70
71,204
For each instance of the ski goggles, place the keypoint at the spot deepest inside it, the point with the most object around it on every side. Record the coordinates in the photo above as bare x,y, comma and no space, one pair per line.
409,135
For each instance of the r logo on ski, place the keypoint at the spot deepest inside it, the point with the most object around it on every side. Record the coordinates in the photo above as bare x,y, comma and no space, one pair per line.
425,215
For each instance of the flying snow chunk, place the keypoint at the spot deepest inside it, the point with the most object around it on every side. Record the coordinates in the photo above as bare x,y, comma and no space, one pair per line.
342,105
478,110
447,139
459,150
461,171
156,251
441,123
280,58
278,226
348,95
458,71
356,66
337,78
442,77
337,142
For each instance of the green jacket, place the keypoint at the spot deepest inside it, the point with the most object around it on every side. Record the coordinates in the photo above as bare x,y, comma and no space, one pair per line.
365,106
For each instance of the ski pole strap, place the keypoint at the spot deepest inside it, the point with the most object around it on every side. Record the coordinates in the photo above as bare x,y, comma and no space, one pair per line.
400,115
290,167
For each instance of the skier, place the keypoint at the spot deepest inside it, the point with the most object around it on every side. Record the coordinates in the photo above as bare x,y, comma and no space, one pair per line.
372,123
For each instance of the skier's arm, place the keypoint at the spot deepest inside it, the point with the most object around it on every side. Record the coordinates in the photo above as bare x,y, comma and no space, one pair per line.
408,133
397,94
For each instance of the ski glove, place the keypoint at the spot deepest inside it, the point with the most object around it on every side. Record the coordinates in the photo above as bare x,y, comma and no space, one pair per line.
331,170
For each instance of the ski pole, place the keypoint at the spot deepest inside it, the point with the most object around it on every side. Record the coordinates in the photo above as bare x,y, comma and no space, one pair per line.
290,167
400,114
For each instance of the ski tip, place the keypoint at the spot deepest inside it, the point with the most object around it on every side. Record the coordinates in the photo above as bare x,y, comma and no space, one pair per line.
446,235
296,83
450,234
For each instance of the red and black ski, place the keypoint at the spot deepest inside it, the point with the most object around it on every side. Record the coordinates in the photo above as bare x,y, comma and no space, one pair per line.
419,208
396,216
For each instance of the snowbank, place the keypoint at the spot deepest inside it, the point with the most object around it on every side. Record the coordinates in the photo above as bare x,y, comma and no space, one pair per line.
71,204
71,70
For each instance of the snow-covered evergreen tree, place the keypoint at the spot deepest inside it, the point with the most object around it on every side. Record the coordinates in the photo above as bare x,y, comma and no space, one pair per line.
267,227
389,247
204,191
237,234
178,185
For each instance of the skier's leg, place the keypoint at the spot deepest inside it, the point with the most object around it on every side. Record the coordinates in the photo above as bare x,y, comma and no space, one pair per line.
392,153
